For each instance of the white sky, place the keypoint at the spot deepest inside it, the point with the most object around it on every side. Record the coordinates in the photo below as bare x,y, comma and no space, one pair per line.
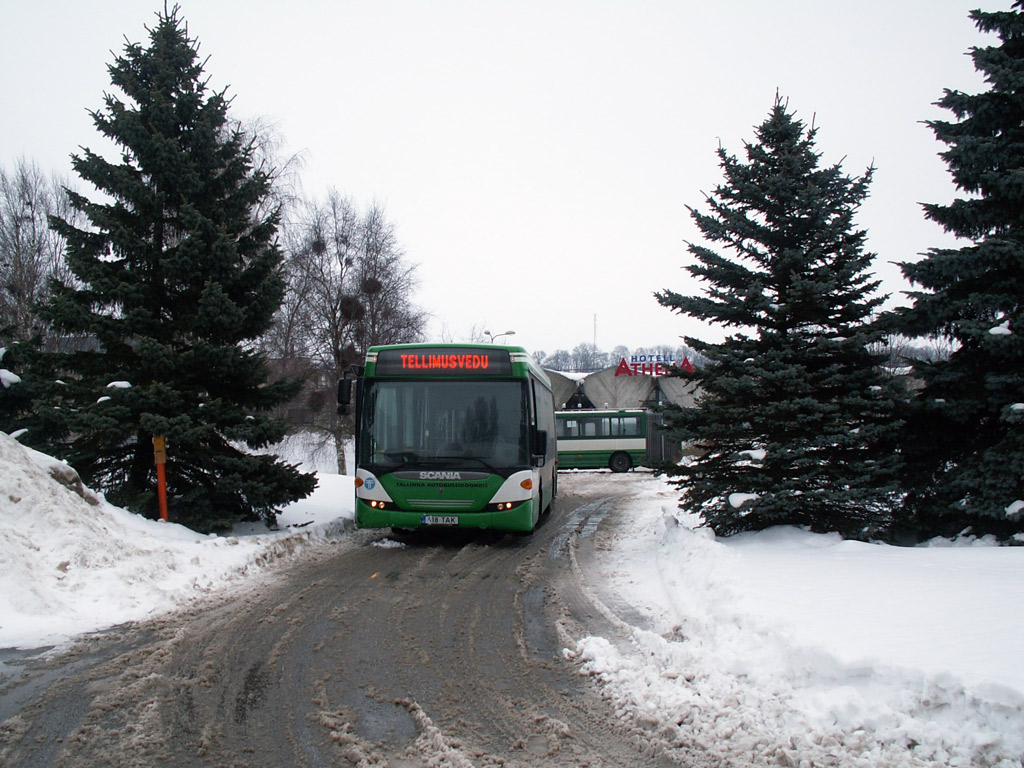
537,157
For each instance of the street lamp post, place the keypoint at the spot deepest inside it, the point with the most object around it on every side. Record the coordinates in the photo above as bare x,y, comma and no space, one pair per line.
495,336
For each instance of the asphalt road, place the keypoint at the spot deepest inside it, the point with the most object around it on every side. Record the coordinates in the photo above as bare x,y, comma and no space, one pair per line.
443,651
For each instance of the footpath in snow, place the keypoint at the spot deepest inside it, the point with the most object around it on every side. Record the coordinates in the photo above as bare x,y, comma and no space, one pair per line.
781,648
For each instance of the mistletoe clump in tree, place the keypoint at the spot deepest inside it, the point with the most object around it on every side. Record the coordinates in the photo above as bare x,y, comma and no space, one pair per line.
965,446
176,277
794,416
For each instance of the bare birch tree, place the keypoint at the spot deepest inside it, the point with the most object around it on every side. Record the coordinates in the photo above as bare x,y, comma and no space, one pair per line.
30,252
349,287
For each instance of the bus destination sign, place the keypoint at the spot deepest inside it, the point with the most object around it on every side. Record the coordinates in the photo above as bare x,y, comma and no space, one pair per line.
442,361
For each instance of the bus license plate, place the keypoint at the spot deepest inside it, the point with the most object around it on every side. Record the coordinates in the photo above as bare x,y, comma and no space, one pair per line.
439,520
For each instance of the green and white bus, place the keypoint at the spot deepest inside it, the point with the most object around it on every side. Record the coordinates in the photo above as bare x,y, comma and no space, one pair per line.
592,439
461,436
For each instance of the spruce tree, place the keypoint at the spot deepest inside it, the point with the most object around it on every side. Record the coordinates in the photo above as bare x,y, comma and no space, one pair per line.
966,443
794,416
176,276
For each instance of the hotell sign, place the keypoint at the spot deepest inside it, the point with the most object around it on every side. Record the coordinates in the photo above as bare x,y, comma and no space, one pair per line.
651,365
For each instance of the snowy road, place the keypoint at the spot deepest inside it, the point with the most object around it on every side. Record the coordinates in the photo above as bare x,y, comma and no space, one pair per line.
428,652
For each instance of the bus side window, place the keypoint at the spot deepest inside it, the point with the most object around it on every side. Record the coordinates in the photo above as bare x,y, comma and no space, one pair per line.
544,416
596,426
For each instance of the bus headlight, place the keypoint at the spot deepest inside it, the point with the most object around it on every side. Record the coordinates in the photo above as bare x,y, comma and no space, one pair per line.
503,506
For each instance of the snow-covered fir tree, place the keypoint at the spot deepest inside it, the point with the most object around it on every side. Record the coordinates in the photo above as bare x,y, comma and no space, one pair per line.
795,417
176,276
965,442
15,393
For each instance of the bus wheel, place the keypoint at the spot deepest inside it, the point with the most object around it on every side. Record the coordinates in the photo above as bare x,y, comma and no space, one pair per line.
620,462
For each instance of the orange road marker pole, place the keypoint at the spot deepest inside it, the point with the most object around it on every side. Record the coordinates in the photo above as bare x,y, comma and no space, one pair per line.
160,457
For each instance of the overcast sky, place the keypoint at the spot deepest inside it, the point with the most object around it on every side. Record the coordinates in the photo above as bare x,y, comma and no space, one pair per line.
536,158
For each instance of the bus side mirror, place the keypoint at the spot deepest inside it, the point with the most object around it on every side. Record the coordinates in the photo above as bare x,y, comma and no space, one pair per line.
344,396
540,447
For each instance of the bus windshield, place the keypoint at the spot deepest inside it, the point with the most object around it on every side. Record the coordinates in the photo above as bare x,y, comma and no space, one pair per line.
445,423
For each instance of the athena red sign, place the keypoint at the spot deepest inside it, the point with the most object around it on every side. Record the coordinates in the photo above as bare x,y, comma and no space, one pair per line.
650,365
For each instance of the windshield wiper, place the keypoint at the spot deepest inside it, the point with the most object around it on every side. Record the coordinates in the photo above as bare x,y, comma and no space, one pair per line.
412,460
403,457
456,459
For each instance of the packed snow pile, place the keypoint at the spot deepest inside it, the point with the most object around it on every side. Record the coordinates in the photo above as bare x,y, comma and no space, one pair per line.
791,648
72,563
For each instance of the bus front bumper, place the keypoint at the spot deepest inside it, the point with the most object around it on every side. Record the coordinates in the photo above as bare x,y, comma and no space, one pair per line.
520,518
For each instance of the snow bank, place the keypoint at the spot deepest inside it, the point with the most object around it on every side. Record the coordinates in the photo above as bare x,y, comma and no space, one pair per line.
72,563
789,648
938,608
